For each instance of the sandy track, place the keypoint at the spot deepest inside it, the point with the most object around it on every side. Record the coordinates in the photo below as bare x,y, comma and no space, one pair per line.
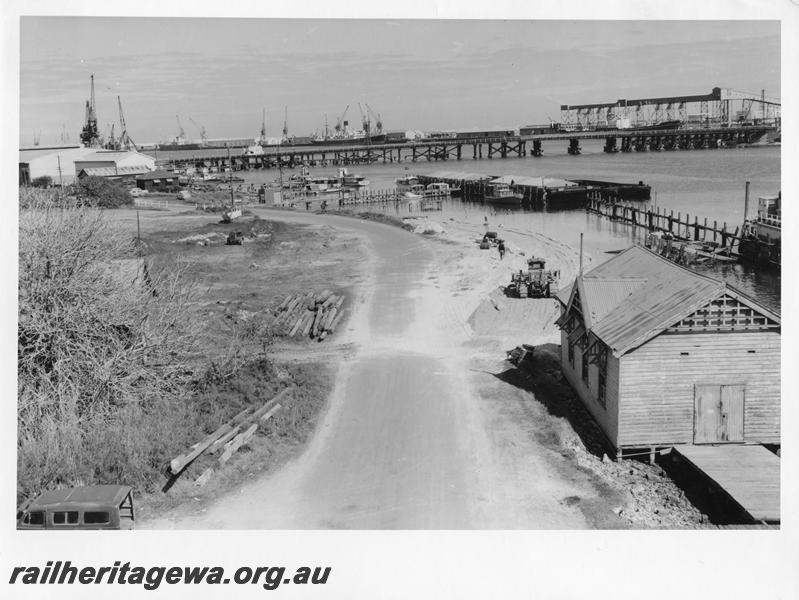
407,442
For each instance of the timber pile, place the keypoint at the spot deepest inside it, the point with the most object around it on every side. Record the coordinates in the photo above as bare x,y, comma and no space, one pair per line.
315,315
228,438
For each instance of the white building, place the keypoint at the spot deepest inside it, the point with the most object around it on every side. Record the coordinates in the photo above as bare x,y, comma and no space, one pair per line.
57,162
114,164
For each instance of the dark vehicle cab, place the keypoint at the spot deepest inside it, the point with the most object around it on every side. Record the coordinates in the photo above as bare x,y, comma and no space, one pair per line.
89,507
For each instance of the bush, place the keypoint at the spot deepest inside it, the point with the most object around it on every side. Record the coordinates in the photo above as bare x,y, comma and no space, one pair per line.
101,192
105,352
45,181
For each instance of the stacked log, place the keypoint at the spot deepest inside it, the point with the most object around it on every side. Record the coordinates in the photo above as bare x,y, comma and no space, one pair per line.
313,314
229,437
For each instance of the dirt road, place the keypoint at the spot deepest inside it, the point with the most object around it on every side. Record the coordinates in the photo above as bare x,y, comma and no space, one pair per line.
407,441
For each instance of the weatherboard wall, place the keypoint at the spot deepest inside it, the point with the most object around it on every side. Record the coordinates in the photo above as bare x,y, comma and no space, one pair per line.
606,416
656,387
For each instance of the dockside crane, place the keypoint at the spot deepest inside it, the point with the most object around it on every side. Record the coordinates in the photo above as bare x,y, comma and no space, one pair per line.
263,127
376,117
365,125
341,124
181,133
286,122
125,142
203,132
89,135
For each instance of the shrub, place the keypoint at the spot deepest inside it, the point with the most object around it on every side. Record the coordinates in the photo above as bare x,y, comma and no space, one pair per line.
45,181
101,192
104,352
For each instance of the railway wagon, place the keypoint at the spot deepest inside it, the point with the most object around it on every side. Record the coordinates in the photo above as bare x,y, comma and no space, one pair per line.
485,135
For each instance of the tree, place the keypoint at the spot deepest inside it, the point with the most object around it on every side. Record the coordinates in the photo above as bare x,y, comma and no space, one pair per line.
101,192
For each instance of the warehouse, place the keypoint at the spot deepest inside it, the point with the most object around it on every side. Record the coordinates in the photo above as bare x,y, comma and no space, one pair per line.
55,162
661,355
114,164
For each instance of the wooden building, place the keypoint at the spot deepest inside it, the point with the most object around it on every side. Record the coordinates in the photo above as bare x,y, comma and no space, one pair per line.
158,181
661,355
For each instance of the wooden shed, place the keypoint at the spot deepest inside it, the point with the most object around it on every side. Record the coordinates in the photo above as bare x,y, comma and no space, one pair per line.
158,181
661,355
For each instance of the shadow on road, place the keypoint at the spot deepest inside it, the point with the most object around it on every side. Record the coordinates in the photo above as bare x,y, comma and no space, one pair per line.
542,376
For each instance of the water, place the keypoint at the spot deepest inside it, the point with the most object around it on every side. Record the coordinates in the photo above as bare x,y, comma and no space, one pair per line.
702,183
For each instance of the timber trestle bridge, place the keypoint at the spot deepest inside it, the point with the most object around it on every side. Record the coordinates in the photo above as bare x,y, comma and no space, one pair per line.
617,140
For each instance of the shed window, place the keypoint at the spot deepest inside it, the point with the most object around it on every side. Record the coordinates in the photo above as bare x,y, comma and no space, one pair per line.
96,517
585,367
571,354
602,387
34,518
65,517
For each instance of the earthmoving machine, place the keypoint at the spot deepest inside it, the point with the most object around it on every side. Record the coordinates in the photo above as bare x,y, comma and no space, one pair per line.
537,282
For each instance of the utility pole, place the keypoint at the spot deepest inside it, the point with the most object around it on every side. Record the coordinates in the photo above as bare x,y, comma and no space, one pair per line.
230,175
581,254
61,179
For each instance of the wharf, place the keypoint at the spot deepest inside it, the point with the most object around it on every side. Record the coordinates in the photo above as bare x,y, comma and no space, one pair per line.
748,474
481,147
679,227
539,192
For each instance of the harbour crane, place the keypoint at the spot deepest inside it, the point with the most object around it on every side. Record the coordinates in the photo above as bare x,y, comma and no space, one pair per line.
181,134
64,134
37,138
124,139
203,132
376,117
341,124
286,122
364,120
263,126
89,134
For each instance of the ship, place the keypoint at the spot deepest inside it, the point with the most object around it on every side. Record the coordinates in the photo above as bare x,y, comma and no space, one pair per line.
761,237
500,194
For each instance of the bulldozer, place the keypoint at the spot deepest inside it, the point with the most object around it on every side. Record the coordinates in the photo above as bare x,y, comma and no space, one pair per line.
537,282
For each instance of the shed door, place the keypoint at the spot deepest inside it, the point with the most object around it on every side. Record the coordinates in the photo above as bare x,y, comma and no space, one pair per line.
718,413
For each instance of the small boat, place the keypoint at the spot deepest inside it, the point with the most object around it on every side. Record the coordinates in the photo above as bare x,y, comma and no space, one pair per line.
437,190
415,191
501,195
404,184
351,180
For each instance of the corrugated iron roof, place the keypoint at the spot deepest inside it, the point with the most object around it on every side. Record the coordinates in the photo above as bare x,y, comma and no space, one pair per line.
637,294
601,296
159,174
115,171
537,182
457,175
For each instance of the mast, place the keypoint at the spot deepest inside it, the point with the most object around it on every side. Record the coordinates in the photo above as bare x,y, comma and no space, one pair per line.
263,126
286,122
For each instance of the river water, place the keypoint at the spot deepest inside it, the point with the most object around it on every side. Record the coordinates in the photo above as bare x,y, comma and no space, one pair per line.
705,183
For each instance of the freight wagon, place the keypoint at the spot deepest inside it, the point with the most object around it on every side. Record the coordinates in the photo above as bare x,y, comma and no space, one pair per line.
485,135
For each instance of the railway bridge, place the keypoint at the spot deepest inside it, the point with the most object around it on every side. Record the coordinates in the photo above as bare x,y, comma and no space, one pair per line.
616,140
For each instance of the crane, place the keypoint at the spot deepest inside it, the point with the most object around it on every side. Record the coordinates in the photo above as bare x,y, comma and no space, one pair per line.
364,119
341,124
263,126
376,117
124,139
286,122
89,134
181,134
203,132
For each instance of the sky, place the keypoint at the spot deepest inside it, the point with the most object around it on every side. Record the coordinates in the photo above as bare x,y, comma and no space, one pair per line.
417,74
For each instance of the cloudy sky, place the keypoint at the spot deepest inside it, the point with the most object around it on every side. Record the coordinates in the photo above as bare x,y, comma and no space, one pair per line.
423,74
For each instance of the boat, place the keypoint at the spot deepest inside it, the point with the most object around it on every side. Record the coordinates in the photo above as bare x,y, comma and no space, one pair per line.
347,179
404,184
415,191
662,125
437,190
501,195
761,237
322,185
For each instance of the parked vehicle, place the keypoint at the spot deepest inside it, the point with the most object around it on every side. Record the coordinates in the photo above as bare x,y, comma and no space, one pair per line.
88,507
537,282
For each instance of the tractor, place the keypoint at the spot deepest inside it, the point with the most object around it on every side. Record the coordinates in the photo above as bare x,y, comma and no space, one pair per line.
537,282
